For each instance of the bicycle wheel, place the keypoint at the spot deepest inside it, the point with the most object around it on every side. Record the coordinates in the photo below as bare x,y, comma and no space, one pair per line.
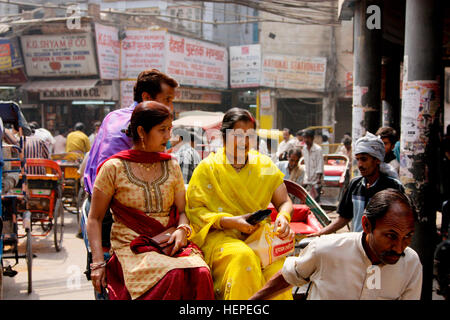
58,224
29,258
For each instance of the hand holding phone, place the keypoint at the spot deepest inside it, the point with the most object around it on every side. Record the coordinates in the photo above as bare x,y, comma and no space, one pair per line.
258,216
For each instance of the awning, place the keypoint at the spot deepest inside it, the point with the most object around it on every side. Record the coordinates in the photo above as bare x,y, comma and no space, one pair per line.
58,85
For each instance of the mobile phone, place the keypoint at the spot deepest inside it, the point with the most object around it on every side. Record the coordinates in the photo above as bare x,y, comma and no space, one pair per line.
258,216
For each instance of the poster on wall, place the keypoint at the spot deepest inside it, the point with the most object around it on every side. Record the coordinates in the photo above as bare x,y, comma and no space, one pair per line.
59,55
245,66
10,57
419,105
108,51
293,72
142,49
196,63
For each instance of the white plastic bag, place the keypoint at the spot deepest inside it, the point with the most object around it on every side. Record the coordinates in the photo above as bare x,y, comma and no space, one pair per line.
268,246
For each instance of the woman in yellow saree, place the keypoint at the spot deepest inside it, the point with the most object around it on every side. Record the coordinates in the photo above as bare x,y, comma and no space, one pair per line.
224,190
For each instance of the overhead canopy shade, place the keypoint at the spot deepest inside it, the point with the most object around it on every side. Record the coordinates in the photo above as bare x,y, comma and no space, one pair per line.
57,85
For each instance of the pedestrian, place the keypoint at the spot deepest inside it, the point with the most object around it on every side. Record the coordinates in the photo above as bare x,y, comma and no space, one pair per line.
369,154
313,157
300,143
145,189
35,147
285,145
291,168
225,189
346,148
372,264
60,141
183,149
325,144
94,134
77,140
389,137
44,135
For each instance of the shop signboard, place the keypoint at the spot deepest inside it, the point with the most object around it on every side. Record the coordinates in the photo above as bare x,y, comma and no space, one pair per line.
10,57
108,51
245,66
196,63
59,55
293,72
190,95
13,76
94,93
142,49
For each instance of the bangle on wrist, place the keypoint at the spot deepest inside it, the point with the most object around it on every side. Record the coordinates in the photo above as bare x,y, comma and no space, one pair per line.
186,228
95,266
286,215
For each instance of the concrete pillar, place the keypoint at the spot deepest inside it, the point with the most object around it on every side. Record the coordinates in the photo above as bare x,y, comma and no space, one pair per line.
366,74
420,105
390,104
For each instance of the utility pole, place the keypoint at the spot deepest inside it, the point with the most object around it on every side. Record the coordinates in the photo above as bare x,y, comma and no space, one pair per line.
420,107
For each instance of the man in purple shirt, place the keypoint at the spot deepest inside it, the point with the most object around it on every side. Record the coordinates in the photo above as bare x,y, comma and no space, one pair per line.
151,85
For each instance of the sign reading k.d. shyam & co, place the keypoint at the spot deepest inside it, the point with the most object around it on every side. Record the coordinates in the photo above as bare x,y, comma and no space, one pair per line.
59,55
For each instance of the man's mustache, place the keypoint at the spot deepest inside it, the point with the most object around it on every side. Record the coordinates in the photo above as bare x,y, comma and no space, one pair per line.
393,253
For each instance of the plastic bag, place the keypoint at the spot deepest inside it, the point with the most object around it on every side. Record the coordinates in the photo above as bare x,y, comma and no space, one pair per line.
268,246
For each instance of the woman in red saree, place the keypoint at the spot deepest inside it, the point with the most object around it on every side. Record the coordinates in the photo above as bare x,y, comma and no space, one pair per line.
144,188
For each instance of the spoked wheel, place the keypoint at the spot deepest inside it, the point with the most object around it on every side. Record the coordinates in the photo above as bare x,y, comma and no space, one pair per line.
58,224
29,258
80,199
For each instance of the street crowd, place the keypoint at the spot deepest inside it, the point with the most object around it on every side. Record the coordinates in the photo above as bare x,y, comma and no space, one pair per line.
165,224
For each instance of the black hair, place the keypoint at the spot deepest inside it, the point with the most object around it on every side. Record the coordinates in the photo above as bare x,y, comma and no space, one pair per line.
150,81
296,151
347,141
308,133
234,115
380,203
387,132
184,134
79,126
299,133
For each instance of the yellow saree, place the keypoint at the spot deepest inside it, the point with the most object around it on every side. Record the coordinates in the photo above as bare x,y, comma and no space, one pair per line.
216,190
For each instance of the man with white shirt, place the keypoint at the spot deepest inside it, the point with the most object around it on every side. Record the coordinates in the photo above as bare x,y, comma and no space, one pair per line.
313,156
374,264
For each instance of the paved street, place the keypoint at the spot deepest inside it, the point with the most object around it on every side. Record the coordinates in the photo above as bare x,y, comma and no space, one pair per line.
59,275
56,275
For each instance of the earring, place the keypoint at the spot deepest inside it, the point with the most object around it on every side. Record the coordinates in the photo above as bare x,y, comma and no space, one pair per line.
142,143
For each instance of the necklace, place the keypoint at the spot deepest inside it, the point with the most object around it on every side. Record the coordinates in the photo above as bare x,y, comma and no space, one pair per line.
146,166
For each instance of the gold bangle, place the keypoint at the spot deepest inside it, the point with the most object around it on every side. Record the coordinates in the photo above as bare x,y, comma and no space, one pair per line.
186,228
286,215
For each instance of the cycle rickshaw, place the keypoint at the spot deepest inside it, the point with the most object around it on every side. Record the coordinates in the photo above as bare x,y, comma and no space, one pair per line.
13,162
72,191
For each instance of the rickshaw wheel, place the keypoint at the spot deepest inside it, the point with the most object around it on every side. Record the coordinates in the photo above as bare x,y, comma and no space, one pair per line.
80,200
29,257
58,224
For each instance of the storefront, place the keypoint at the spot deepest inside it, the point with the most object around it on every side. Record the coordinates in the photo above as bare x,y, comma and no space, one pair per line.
62,103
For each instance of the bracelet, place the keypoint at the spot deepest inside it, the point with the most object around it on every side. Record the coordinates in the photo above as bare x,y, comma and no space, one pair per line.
286,215
186,228
95,266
